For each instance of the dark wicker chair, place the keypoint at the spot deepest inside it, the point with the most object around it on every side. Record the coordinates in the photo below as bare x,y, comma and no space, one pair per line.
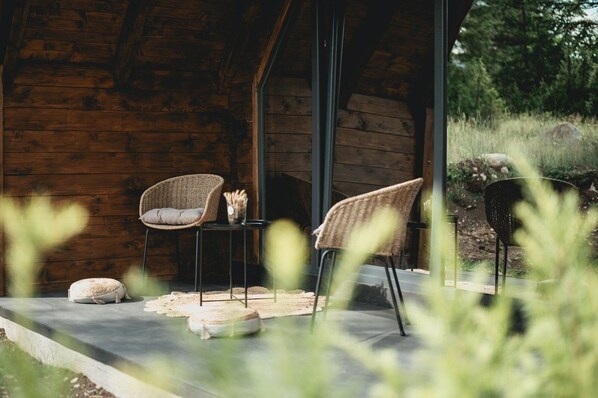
346,215
499,199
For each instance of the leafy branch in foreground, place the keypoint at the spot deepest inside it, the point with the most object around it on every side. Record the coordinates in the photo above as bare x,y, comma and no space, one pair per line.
32,228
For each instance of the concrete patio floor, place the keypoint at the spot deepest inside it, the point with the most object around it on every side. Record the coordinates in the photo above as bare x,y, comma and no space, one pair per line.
112,343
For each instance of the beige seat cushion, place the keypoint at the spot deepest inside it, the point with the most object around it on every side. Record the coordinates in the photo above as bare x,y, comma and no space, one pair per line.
97,291
225,322
170,216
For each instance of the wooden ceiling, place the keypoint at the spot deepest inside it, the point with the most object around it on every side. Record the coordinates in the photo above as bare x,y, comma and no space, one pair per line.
388,44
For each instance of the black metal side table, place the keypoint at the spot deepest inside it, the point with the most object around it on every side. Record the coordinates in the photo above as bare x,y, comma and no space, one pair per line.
451,219
248,225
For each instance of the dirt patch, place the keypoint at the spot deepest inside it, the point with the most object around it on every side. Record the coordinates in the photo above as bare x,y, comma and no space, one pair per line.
477,240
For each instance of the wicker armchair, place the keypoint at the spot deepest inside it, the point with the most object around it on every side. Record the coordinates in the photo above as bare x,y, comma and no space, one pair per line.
348,214
191,191
499,199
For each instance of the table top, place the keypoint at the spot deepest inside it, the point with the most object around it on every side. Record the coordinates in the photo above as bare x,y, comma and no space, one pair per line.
225,226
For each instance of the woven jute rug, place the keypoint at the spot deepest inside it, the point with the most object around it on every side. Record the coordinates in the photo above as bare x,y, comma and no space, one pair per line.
288,303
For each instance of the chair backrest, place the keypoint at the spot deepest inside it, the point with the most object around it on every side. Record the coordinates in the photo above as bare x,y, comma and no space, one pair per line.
349,213
184,192
500,198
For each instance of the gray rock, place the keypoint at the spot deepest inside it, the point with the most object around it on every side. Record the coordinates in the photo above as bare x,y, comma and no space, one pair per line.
564,133
498,160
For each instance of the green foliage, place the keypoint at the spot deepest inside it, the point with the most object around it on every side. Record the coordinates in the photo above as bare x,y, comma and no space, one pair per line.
471,351
32,228
539,56
25,378
471,92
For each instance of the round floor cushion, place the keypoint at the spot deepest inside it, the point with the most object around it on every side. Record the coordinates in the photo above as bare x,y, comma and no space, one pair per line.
97,291
225,322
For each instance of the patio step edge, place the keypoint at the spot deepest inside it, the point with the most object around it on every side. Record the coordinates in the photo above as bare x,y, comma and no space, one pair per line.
49,352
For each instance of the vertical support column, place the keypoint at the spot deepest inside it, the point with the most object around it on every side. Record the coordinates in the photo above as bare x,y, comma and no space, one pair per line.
439,179
2,256
317,55
328,26
335,48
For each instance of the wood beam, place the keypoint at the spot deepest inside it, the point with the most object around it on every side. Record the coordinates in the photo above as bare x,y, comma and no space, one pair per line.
2,251
363,44
275,35
243,26
15,13
258,82
130,37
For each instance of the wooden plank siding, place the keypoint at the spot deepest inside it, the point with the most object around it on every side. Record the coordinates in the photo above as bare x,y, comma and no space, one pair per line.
375,144
2,251
75,138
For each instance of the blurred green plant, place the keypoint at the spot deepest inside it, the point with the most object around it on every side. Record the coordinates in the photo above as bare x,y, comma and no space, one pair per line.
31,228
468,349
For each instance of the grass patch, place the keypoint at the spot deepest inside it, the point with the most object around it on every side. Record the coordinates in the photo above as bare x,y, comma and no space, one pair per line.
23,376
11,375
469,139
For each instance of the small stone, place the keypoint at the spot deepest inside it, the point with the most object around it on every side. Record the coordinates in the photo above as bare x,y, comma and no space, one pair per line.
504,170
475,169
484,178
73,381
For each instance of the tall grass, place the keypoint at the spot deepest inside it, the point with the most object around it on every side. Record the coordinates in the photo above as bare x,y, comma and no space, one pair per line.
469,139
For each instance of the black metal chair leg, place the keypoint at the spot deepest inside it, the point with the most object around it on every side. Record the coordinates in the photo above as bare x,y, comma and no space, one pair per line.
398,285
178,251
147,230
504,269
496,260
394,299
329,285
318,286
196,258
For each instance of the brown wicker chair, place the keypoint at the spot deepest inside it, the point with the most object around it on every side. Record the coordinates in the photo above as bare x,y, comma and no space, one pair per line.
184,192
348,214
499,199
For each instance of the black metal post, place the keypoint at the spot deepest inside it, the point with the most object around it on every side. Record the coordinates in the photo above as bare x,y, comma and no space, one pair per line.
328,24
335,48
317,54
261,151
439,181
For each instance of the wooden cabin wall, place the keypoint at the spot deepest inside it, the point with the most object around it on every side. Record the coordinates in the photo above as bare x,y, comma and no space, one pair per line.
375,144
71,135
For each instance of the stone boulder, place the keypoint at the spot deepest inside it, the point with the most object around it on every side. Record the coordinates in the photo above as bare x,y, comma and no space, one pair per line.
564,133
498,160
